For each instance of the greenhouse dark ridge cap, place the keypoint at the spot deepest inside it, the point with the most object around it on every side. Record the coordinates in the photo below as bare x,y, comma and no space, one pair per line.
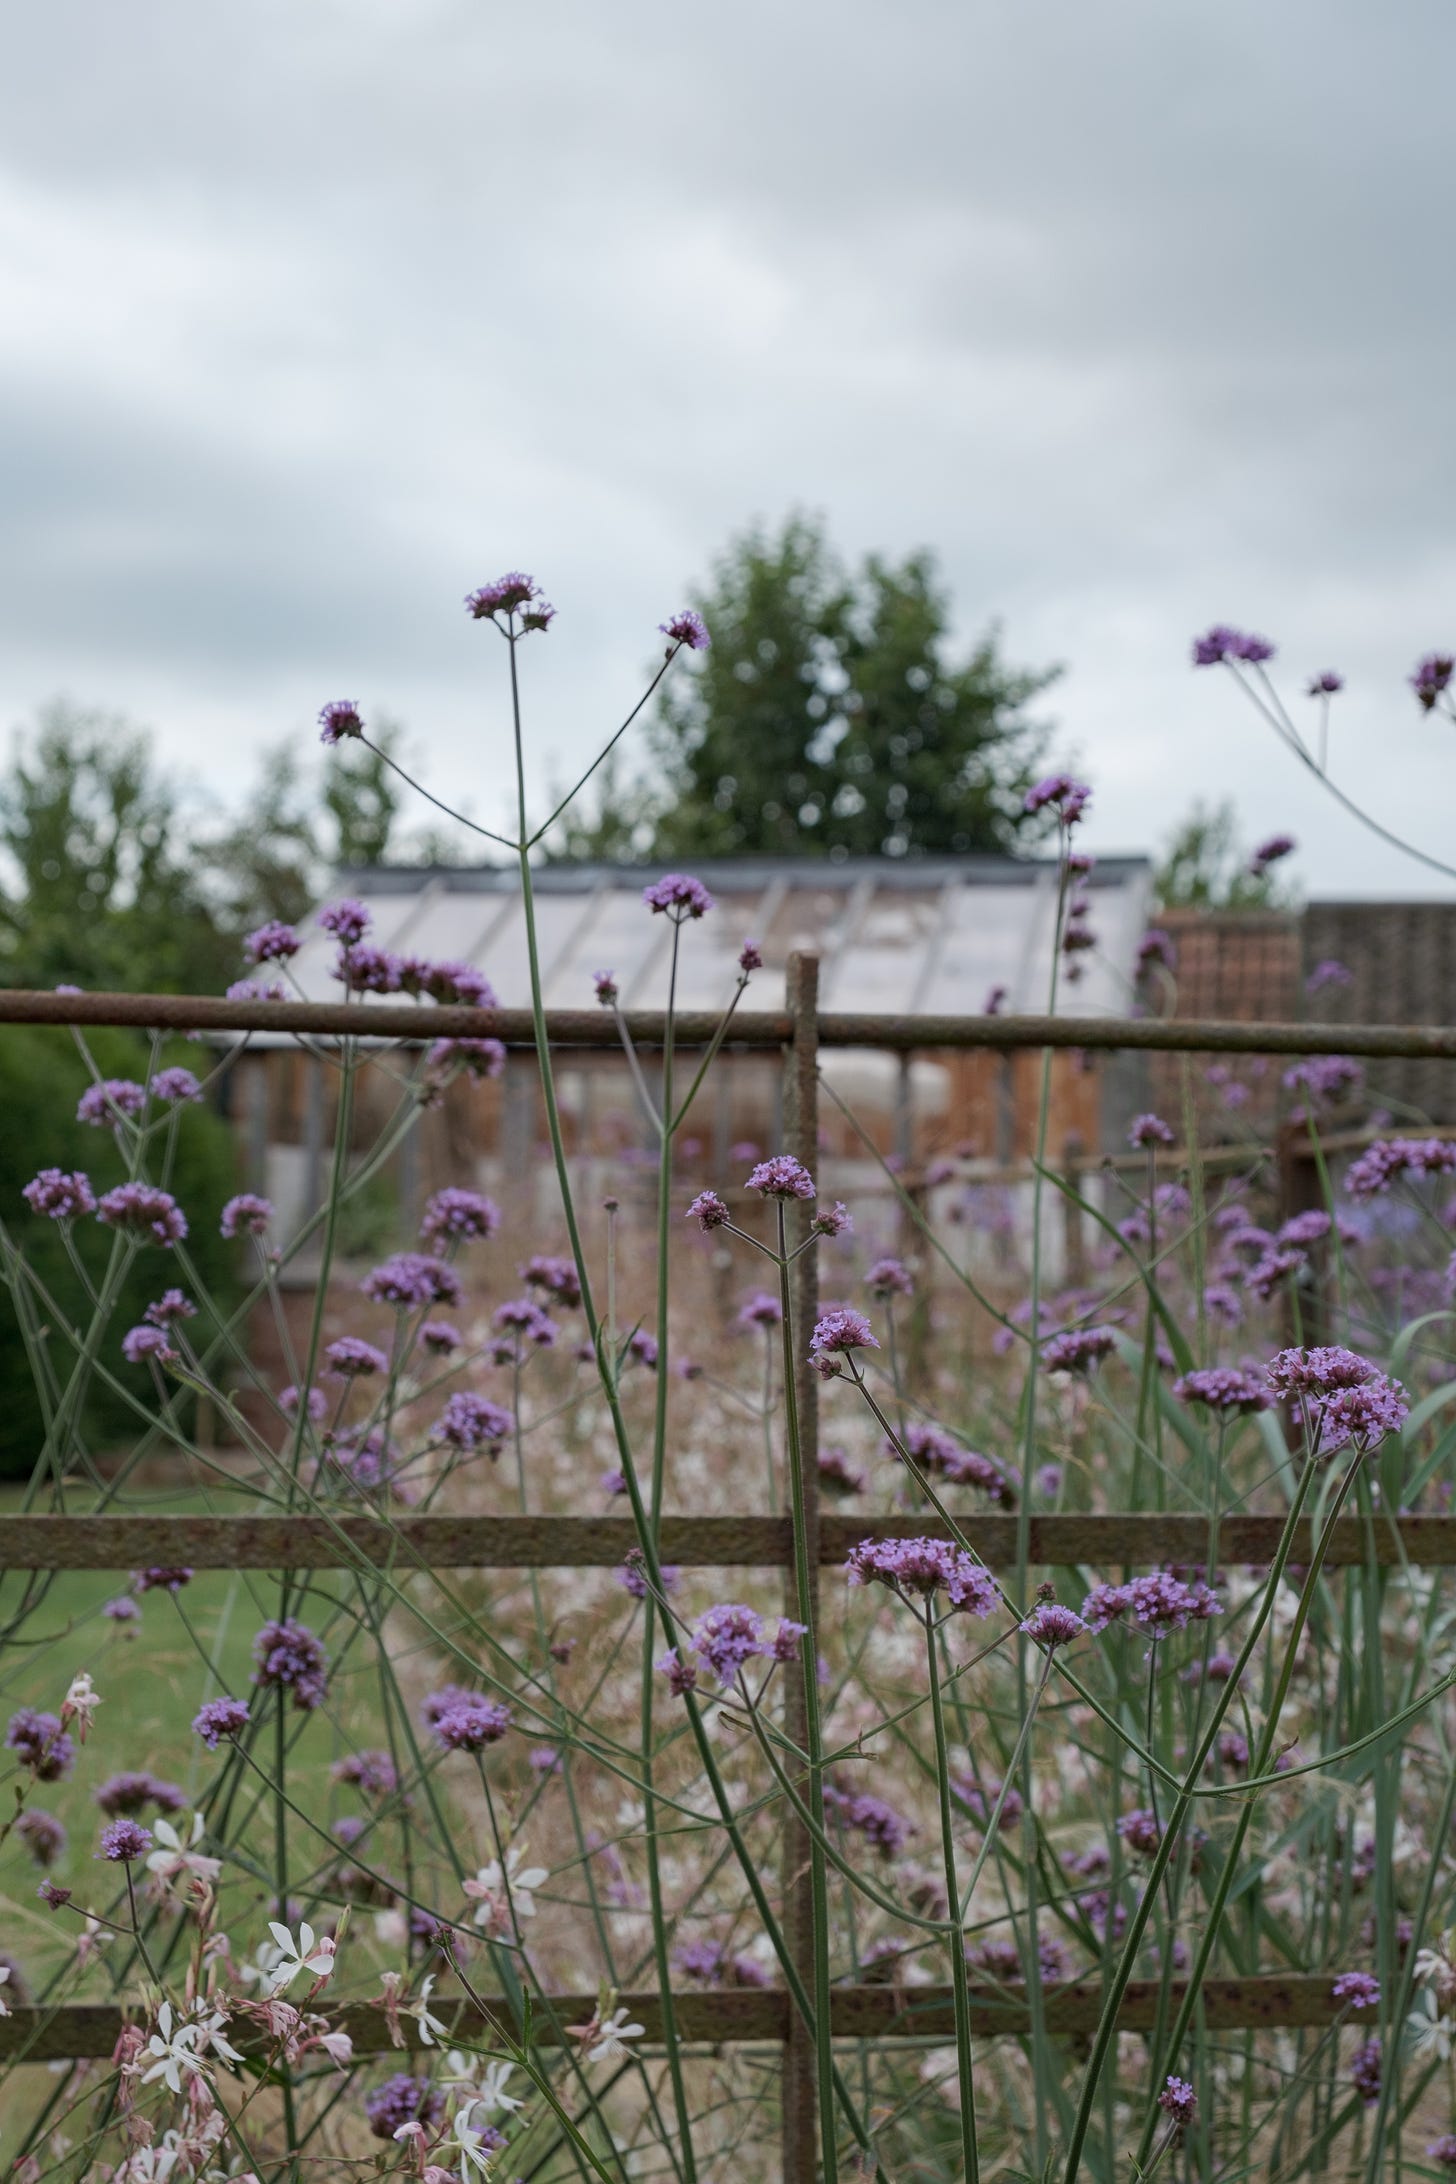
750,1028
734,875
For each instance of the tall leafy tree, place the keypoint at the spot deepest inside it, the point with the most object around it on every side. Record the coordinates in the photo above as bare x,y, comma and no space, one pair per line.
830,716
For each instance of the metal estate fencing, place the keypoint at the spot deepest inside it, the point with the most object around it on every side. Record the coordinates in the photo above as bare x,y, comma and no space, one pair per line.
51,1542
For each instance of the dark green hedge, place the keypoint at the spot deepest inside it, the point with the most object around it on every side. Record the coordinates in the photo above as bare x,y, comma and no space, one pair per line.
42,1077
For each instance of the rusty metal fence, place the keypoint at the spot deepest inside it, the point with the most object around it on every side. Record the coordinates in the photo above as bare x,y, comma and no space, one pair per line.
796,1033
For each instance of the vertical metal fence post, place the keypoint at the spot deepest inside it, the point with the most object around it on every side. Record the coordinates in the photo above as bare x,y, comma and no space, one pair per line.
801,1138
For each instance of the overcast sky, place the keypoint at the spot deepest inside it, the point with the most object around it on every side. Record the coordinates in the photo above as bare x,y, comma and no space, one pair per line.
317,313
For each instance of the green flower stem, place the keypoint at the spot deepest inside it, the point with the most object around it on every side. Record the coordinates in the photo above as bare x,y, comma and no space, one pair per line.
956,1940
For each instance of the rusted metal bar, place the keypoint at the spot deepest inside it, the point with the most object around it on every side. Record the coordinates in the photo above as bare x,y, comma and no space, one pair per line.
760,1028
79,2030
577,1543
799,2136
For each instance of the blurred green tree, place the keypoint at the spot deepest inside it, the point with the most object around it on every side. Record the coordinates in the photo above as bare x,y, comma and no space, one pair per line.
1207,867
831,717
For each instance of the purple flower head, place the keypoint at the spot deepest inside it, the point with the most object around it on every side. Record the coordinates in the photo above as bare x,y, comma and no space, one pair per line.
1380,1164
554,1277
469,1724
708,1210
1344,1399
728,1636
1052,1625
287,1656
411,1280
348,920
253,989
439,1337
368,970
919,1568
1430,677
784,1645
1324,685
400,2100
351,1359
116,1099
605,983
140,1343
643,1347
1104,1605
632,1576
274,942
1360,1990
479,1058
40,1743
1060,793
760,1308
1329,972
470,1422
1149,1130
55,1897
1365,2072
124,1841
171,1306
750,957
122,1610
1224,643
1161,1602
835,1220
524,1318
890,1278
781,1177
931,1448
42,1834
372,1772
687,628
316,1407
142,1211
60,1196
1223,1388
245,1215
1141,1831
1270,852
1156,946
131,1792
994,1002
838,1475
510,594
459,1216
175,1085
1264,1277
457,983
835,1335
870,1817
219,1718
340,718
162,1577
1179,2101
679,895
682,1675
1078,1350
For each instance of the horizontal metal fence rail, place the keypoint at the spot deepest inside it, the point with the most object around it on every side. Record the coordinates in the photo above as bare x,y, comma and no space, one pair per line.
91,2029
577,1543
754,1028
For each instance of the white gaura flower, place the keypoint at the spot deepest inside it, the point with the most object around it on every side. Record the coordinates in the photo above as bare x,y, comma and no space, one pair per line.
304,1955
1428,2031
430,2027
491,2094
79,1704
174,2054
515,1884
605,2038
174,1856
469,2140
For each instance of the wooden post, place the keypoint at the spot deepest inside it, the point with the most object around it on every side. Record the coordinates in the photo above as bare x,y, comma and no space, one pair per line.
800,1089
